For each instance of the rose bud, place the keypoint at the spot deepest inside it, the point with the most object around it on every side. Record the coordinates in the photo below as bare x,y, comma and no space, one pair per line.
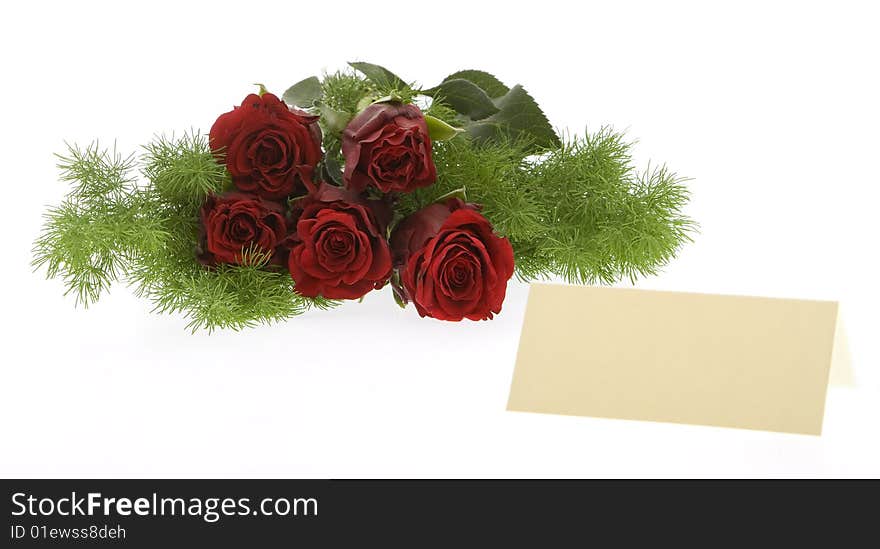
451,263
269,150
339,249
234,223
387,146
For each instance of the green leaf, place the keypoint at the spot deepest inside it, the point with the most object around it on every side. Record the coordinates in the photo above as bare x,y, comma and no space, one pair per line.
332,170
392,98
304,93
440,130
487,82
335,121
396,288
519,117
365,102
379,75
465,97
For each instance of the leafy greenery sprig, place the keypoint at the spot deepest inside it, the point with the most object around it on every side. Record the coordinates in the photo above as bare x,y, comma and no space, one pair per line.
110,228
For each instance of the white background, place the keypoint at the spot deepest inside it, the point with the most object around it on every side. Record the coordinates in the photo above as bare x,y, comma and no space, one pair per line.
771,107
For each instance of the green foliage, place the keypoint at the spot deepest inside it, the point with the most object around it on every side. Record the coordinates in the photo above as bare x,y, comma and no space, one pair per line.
305,93
441,111
465,97
343,90
487,82
518,117
380,76
576,207
109,228
384,84
490,111
88,239
183,171
580,211
440,130
229,296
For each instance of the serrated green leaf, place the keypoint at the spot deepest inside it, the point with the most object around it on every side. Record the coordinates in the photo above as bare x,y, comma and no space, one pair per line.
465,97
487,82
304,93
519,118
440,130
378,74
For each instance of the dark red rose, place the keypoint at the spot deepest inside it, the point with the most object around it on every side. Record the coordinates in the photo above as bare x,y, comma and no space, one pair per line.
339,249
387,146
451,263
270,150
235,222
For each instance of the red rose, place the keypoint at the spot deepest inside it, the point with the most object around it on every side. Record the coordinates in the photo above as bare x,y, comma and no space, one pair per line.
387,146
452,265
235,222
270,150
339,249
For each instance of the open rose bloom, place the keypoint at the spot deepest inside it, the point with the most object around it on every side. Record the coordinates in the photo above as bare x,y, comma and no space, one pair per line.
339,249
269,149
452,265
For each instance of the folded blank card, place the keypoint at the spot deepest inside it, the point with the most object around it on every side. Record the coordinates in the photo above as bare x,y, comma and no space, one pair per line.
747,362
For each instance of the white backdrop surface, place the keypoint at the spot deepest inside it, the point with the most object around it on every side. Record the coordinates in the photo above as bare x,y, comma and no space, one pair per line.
771,108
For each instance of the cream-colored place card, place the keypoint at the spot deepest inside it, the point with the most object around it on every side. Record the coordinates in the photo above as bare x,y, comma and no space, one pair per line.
747,362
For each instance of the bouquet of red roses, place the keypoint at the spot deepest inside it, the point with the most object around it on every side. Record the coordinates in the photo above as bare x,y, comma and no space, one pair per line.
353,182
